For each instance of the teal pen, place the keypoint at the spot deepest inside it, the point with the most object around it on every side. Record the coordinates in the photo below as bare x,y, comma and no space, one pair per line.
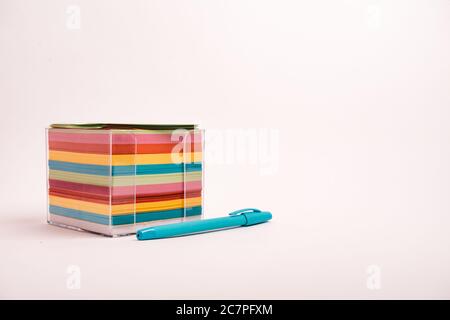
239,218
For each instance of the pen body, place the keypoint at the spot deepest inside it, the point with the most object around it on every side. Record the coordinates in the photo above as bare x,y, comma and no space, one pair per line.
184,228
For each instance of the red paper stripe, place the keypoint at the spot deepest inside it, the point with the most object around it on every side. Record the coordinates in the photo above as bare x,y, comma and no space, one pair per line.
120,200
126,191
99,148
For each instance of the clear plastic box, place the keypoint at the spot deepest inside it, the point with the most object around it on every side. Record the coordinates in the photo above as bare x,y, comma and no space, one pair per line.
114,179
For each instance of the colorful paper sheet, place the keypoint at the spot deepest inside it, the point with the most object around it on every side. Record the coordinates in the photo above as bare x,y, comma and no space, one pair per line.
115,175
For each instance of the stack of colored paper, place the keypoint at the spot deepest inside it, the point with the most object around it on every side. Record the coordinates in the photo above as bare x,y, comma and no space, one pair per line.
114,178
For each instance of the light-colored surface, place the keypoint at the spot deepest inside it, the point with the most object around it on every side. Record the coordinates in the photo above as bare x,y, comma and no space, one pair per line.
359,94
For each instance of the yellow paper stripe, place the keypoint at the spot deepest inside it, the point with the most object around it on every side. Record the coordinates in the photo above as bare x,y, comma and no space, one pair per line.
121,209
123,159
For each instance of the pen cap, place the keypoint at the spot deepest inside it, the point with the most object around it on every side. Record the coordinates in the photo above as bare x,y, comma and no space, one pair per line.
257,217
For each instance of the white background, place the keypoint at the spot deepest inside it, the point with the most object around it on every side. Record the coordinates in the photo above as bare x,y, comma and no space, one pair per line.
359,92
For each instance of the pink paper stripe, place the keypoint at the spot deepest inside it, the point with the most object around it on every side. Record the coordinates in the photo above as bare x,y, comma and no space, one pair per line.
149,189
116,138
78,137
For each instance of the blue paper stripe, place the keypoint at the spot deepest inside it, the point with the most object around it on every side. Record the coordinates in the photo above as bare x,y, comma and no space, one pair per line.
123,170
124,219
78,214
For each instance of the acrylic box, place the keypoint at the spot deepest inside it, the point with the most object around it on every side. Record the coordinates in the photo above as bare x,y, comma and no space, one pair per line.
114,179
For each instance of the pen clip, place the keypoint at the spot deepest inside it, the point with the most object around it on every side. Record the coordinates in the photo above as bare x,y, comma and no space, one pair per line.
243,211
